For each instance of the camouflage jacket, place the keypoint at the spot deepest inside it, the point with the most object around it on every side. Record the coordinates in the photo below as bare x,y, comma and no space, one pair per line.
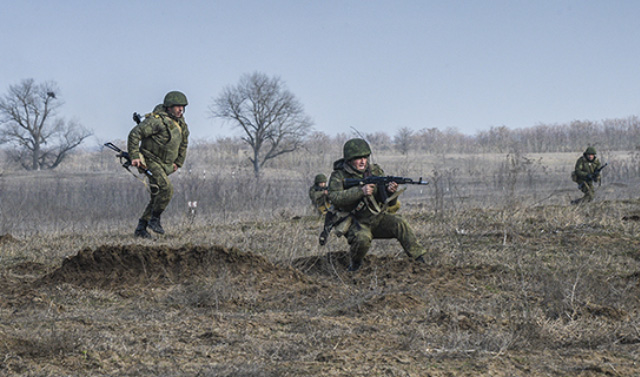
584,167
319,200
316,194
353,199
161,139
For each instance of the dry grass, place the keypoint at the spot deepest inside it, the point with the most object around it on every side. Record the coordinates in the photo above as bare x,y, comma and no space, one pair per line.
515,285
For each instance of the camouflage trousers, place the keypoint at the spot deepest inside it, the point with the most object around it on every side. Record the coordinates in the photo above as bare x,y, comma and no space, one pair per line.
588,190
384,226
161,191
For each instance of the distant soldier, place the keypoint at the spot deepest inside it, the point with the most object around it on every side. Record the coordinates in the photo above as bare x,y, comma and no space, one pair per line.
586,172
159,143
368,216
319,194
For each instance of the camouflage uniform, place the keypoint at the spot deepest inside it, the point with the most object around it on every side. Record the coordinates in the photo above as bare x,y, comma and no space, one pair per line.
161,141
584,168
319,199
365,224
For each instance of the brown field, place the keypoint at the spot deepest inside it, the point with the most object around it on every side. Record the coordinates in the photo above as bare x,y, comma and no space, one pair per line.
518,282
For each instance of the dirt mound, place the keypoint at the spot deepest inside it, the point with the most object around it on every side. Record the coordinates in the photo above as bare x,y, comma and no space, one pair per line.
323,265
7,238
112,266
28,268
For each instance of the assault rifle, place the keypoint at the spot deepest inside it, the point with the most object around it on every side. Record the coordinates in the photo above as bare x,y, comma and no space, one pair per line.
125,159
593,176
332,220
382,183
596,173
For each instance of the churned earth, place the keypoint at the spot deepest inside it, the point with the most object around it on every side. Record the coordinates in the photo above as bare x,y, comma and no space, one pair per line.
194,310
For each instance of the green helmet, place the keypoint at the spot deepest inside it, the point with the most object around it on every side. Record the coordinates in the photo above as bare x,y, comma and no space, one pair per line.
320,178
356,148
590,150
175,98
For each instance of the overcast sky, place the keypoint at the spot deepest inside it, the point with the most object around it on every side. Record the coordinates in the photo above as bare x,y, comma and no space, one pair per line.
368,64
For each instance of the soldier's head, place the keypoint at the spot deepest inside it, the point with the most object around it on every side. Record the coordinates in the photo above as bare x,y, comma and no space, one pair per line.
174,103
590,153
356,152
320,180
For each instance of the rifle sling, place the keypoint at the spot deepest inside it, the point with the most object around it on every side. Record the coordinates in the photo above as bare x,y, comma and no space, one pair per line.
375,208
144,182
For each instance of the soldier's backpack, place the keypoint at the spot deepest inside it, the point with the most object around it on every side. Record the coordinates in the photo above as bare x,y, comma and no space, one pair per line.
574,176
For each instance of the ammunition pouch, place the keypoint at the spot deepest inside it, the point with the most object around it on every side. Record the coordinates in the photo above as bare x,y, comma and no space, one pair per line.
343,224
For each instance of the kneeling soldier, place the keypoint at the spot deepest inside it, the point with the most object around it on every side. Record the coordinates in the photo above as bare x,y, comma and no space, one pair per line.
586,172
369,217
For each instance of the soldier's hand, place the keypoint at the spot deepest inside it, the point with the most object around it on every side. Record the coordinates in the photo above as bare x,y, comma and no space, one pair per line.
136,162
392,187
175,167
368,189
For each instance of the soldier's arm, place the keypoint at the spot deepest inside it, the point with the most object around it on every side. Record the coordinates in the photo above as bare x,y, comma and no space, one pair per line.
139,132
581,173
340,197
182,150
377,171
315,194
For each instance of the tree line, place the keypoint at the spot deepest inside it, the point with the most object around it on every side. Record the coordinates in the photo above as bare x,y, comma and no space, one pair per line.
272,122
575,136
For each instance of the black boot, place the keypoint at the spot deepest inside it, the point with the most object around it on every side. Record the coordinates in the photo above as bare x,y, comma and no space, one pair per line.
155,225
354,265
323,237
141,230
421,260
326,229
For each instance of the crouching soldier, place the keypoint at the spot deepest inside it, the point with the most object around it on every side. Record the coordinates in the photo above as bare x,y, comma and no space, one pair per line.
319,194
586,172
159,143
368,217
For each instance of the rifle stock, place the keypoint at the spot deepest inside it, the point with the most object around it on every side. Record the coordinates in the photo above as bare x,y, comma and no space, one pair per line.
125,159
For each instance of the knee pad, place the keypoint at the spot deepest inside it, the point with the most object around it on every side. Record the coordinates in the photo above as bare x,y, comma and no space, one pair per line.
154,189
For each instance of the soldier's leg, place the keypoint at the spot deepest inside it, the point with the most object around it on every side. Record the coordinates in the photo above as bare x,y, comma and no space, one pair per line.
153,188
587,190
590,194
155,181
164,195
143,222
160,202
359,237
329,218
161,192
394,226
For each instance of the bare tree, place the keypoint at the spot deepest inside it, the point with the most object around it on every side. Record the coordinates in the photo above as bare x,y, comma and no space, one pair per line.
271,117
403,140
27,121
380,141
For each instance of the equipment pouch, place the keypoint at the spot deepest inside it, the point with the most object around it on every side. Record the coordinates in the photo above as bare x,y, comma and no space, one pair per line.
574,176
343,227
